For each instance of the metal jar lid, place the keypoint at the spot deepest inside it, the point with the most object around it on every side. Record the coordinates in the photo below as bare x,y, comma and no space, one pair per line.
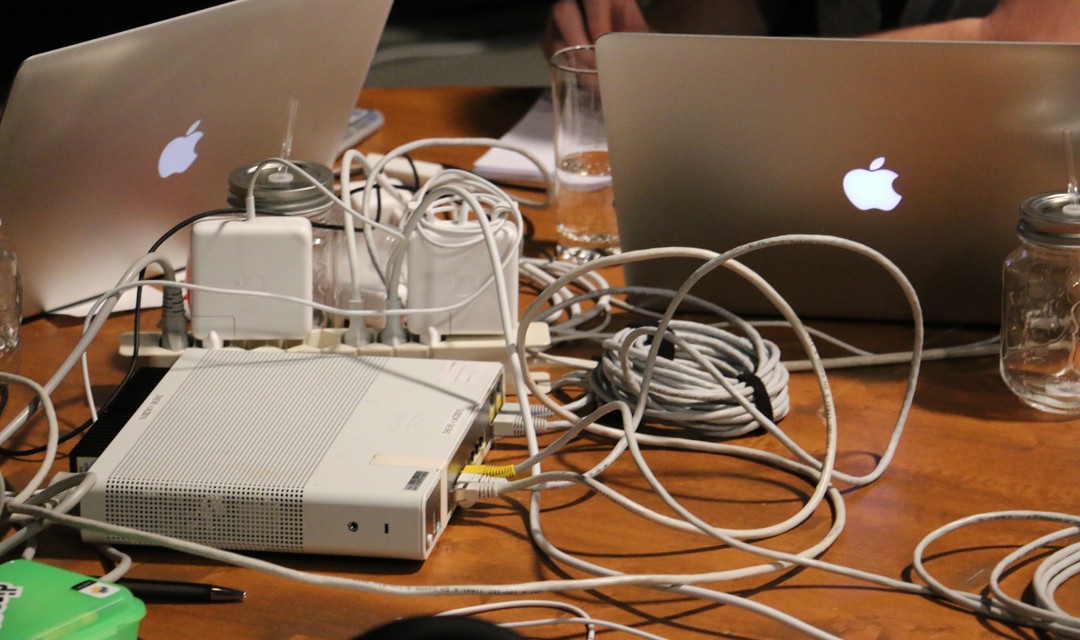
1051,219
282,190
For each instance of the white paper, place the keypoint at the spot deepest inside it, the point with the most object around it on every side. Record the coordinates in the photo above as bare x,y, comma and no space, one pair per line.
535,132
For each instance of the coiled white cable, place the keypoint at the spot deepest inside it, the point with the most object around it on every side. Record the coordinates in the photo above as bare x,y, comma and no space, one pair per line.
818,472
681,392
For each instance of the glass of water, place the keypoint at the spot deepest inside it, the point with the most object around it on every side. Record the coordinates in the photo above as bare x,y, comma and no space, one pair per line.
584,206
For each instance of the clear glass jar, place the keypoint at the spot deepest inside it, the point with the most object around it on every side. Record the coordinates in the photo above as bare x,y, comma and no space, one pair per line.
283,192
1040,327
10,313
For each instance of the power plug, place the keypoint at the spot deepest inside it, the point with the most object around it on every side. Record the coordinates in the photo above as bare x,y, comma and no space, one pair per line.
446,265
264,254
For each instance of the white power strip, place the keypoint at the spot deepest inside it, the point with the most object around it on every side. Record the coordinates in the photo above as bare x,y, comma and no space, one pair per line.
472,348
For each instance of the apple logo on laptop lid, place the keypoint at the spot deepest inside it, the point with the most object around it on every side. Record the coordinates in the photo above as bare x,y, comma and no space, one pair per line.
872,188
180,154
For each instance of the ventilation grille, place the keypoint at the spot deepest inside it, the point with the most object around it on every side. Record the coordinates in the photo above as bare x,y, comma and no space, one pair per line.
224,516
227,468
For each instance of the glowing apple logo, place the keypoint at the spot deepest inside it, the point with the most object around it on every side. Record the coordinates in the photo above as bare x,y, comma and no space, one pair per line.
872,188
180,153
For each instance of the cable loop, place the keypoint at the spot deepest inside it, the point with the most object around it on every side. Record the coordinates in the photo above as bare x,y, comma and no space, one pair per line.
697,380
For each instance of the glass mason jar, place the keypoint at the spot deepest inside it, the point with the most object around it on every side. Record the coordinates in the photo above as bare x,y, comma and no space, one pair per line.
281,191
1040,325
10,314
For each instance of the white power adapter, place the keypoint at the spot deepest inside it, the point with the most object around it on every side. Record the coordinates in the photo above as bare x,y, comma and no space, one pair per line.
265,254
446,265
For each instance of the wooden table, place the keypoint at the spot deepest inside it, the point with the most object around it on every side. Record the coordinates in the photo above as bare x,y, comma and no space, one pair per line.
969,446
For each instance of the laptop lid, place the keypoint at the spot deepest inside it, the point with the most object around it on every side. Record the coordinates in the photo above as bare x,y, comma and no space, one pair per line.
107,144
717,141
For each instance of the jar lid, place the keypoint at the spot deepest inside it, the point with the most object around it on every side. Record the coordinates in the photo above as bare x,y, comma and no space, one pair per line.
1051,219
282,190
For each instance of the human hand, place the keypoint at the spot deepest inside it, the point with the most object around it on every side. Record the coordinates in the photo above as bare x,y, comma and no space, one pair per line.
1011,20
579,22
1034,20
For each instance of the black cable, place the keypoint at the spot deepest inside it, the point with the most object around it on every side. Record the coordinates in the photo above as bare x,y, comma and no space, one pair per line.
506,184
137,325
439,628
378,203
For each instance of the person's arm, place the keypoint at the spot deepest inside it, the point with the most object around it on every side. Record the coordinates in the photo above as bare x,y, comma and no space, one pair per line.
1011,20
731,17
577,22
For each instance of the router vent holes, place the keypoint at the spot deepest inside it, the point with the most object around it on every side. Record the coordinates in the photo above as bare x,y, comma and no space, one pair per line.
234,517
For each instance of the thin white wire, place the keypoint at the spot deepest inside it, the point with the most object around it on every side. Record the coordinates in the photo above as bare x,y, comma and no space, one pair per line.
345,205
53,436
580,614
380,181
380,166
595,622
628,428
394,332
859,357
820,472
107,303
1052,619
122,562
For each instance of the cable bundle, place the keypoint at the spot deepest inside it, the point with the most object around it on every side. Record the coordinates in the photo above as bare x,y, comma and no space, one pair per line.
702,379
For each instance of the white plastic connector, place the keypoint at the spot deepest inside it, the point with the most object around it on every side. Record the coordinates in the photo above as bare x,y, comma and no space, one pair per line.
511,424
446,265
406,170
471,488
270,255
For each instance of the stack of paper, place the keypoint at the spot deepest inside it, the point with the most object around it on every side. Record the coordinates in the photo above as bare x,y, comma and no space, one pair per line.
535,133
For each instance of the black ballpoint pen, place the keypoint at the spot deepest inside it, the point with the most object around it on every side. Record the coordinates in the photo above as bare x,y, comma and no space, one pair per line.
169,591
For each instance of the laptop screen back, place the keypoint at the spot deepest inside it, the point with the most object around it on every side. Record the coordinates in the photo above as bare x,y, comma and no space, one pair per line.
718,141
105,145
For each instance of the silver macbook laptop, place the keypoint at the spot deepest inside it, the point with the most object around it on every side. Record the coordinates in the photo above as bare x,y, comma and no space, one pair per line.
717,141
105,145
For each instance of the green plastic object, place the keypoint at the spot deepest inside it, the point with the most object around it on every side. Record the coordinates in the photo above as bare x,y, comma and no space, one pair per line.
41,602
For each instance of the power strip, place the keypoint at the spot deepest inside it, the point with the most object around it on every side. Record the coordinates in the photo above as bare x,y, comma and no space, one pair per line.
470,348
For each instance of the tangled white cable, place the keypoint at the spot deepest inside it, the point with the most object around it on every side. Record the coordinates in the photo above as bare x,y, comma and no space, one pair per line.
1053,571
685,394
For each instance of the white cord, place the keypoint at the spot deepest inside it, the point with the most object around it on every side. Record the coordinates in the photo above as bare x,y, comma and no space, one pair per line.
1065,563
820,473
684,393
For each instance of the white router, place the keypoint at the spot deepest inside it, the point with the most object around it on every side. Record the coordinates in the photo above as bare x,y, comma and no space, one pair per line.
301,453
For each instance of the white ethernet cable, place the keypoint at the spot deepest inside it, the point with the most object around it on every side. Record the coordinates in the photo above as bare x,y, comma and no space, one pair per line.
607,297
528,587
544,272
820,473
823,469
1065,564
712,260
